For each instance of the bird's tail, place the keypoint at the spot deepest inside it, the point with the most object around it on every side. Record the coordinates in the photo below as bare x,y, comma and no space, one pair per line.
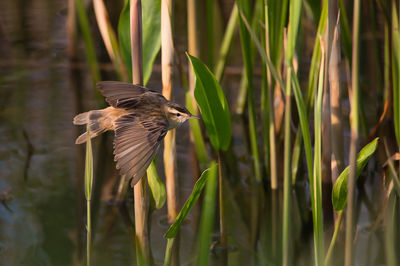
95,120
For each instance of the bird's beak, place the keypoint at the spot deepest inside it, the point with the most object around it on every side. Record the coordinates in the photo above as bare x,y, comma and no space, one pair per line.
195,117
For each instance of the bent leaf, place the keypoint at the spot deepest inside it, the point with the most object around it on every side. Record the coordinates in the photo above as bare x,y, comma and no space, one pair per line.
339,193
213,105
194,196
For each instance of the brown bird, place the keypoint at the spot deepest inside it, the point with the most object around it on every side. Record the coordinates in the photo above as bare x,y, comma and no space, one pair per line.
140,118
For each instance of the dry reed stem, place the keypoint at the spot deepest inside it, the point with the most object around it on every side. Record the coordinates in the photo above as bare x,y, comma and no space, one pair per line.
140,189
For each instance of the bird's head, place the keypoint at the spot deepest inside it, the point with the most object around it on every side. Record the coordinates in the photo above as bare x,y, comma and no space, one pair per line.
177,114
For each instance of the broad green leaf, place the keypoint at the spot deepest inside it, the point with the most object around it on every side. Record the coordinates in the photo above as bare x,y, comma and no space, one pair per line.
157,187
194,196
151,26
213,105
339,193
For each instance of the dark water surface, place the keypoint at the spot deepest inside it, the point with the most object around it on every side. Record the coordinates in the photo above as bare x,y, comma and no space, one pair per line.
42,216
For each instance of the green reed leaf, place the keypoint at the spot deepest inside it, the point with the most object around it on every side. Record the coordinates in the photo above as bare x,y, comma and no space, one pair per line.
213,105
151,25
339,193
157,187
194,196
207,217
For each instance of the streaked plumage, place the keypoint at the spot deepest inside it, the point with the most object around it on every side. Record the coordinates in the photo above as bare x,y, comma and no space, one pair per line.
140,118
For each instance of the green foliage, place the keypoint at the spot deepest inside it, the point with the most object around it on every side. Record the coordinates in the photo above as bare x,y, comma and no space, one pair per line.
213,105
88,166
339,193
210,173
88,41
207,217
151,25
157,187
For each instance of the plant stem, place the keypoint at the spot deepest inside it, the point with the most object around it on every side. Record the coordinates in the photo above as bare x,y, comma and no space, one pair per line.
286,175
226,43
88,41
140,189
88,233
270,128
354,137
333,240
167,62
222,224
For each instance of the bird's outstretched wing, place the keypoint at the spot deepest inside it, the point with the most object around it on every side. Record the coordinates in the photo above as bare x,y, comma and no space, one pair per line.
127,95
136,143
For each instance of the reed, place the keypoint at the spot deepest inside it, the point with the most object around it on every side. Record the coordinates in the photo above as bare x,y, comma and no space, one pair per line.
88,41
88,195
167,63
244,7
267,107
109,38
349,259
140,189
317,179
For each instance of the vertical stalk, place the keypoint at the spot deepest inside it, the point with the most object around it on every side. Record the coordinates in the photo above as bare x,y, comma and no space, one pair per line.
317,205
222,224
286,174
88,40
109,38
193,43
167,63
354,136
88,194
270,128
226,43
140,189
244,7
88,233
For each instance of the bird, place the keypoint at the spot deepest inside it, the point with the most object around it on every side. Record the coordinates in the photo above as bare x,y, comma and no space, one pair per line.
140,118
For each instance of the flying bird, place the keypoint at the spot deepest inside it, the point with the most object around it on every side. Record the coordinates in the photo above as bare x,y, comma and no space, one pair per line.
140,118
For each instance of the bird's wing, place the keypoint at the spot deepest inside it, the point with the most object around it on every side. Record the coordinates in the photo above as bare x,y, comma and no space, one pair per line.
127,95
136,143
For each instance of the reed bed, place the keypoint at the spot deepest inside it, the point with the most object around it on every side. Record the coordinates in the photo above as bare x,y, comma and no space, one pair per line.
294,57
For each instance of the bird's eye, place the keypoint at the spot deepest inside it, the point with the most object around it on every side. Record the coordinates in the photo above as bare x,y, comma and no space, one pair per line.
178,114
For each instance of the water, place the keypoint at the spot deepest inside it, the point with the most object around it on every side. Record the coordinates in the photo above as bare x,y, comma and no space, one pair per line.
42,215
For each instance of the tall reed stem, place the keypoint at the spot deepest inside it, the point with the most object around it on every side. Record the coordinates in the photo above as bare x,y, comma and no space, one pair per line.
349,260
88,194
140,189
167,62
270,128
222,224
287,174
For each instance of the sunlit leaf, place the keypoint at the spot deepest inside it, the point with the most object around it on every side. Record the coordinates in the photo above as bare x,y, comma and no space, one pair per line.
194,196
213,105
151,25
157,187
207,217
339,193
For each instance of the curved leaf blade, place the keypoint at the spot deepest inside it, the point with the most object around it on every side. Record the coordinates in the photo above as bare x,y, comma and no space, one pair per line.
194,196
213,105
339,193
